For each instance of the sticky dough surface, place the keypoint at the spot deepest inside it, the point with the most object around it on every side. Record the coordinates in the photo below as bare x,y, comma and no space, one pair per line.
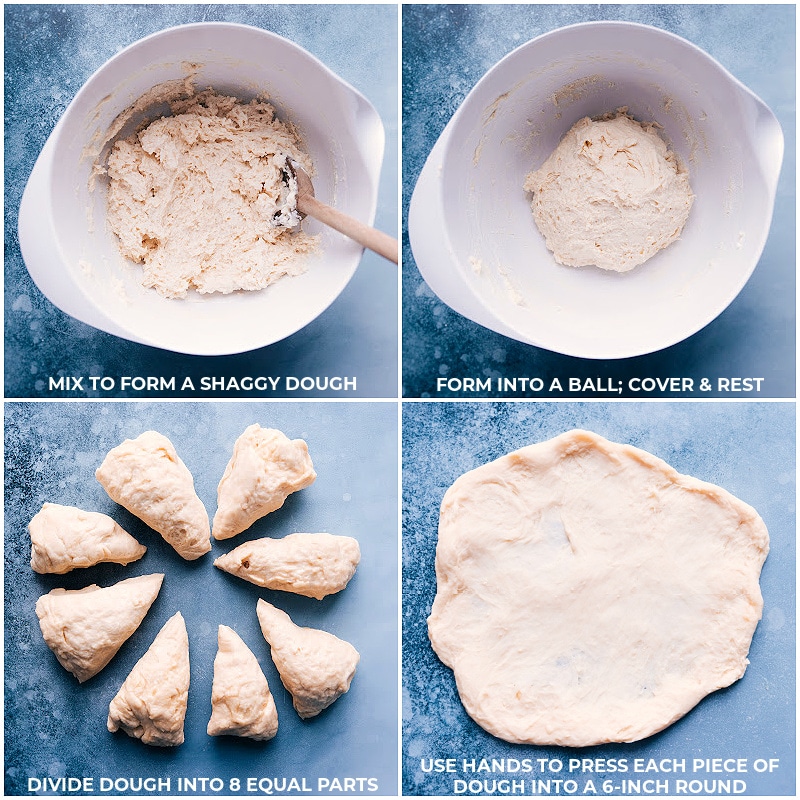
193,197
86,627
315,666
310,564
64,538
146,476
611,194
265,468
151,703
241,702
589,593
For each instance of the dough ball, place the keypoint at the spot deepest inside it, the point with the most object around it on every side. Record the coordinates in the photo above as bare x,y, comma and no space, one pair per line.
241,702
610,195
64,538
589,593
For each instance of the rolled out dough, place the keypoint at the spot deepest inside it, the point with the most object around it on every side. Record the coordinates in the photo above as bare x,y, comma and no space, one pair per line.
588,593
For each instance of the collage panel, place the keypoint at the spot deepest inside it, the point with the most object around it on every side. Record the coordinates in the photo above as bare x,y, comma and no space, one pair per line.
152,239
305,596
582,598
524,265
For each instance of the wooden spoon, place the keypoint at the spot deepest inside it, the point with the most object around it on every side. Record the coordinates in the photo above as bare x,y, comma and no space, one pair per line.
375,240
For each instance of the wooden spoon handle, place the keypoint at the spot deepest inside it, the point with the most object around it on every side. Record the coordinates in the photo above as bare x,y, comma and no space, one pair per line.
375,240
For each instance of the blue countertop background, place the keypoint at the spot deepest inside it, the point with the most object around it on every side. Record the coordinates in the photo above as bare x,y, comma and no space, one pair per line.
50,51
448,48
56,727
747,448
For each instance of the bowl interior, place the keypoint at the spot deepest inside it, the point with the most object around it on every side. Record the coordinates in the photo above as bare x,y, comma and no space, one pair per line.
339,127
513,120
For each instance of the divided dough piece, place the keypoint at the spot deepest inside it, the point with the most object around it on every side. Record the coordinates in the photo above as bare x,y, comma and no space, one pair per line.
311,564
146,476
266,467
241,702
86,627
64,538
588,593
151,704
316,667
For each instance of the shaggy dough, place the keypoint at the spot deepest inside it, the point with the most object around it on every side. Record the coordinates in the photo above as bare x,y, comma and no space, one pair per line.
311,564
266,467
241,702
151,704
86,627
589,593
146,476
316,667
64,538
199,198
611,194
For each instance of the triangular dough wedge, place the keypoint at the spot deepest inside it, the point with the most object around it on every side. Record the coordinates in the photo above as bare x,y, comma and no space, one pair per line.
64,538
241,702
151,704
146,476
266,467
311,564
316,667
86,627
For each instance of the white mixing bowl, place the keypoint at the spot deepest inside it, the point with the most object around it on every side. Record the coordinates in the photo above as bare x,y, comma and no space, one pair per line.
73,257
470,224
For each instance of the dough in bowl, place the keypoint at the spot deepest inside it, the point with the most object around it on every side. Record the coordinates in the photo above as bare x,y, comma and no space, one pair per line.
589,593
612,194
201,201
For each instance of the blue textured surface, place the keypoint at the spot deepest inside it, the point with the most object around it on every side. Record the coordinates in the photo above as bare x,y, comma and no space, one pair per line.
448,48
754,718
50,51
55,727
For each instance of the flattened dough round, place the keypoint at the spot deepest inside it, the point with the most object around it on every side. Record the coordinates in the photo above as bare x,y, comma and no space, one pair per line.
589,593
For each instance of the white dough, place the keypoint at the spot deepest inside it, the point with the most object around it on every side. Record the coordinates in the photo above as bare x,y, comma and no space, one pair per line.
611,194
310,564
315,666
86,627
151,703
241,702
199,198
589,593
64,538
265,468
146,476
